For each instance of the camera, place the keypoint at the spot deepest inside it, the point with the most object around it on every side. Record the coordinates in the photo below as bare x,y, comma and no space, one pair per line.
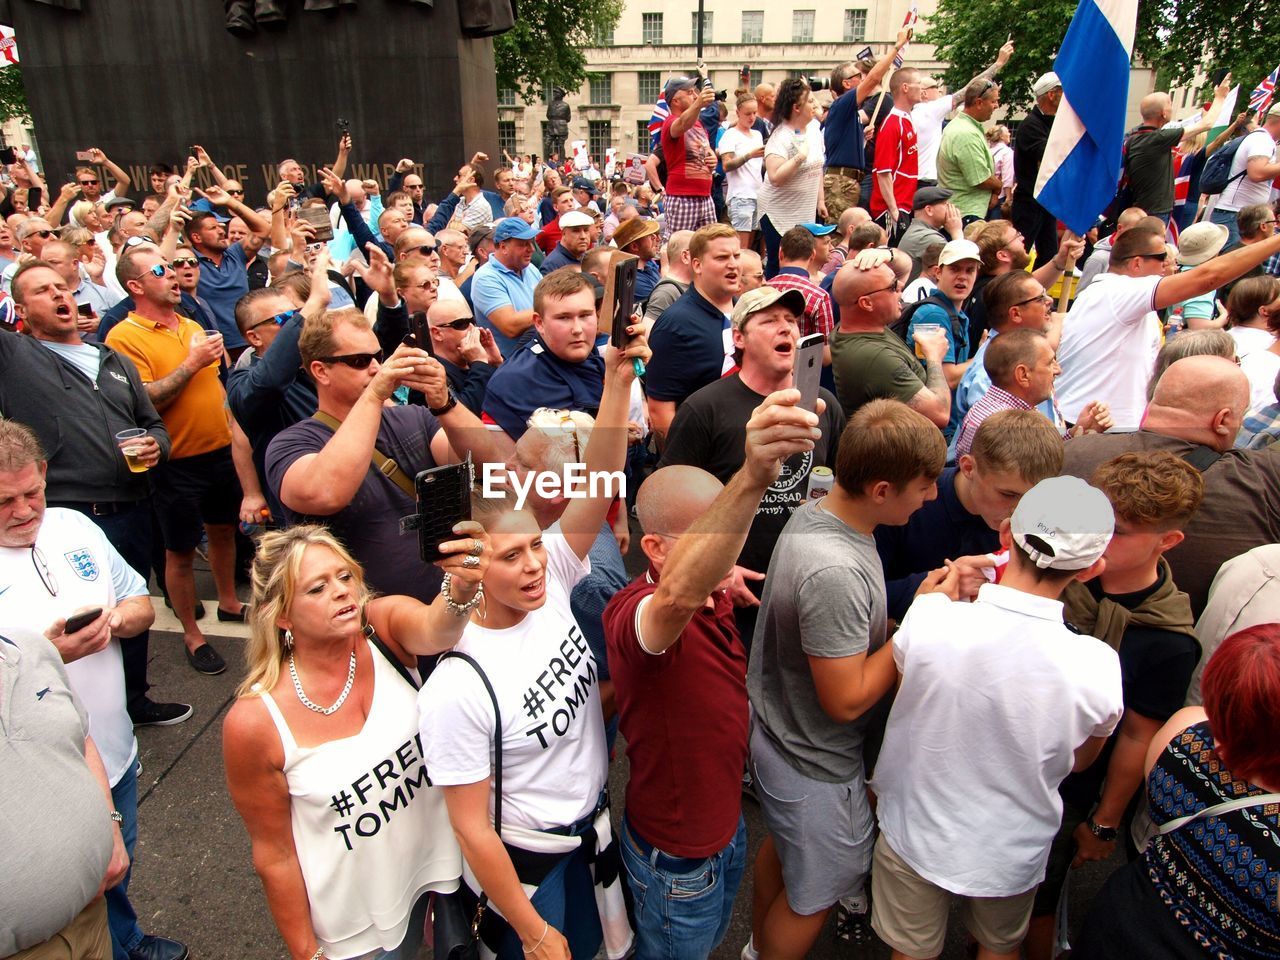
818,83
722,95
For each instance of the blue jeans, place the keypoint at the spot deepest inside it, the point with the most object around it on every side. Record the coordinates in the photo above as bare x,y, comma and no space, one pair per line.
121,918
772,243
566,899
682,914
1227,218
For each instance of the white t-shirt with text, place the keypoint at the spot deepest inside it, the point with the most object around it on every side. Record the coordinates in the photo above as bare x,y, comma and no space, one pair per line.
743,181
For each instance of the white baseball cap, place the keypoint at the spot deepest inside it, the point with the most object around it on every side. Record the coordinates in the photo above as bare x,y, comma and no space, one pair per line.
574,218
1048,81
1063,524
957,250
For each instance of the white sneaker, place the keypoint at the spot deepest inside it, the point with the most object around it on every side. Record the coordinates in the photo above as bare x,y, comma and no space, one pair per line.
749,951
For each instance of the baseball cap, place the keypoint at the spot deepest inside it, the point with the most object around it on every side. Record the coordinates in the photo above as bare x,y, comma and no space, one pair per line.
1046,83
1063,523
818,229
676,84
928,196
513,228
1201,242
582,183
957,250
761,298
574,218
479,235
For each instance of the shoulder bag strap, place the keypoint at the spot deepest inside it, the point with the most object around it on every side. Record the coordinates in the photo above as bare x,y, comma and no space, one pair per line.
395,661
1202,457
497,736
381,462
1218,809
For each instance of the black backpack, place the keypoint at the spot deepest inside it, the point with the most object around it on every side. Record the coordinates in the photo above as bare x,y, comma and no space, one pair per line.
958,325
1216,175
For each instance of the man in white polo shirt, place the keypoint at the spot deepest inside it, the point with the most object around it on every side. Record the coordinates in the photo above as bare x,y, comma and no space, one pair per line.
56,563
967,786
1111,336
1252,171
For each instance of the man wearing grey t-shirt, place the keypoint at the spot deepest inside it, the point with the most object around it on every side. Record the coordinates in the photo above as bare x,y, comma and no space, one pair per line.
820,662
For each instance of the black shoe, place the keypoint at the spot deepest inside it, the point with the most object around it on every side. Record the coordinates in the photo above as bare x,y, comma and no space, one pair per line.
159,948
241,617
206,660
854,928
152,714
200,611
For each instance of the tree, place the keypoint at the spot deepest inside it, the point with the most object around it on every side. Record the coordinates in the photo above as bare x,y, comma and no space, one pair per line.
1176,37
546,45
13,96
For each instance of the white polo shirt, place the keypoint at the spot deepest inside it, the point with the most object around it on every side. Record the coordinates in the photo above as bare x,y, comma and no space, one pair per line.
996,696
83,570
1109,344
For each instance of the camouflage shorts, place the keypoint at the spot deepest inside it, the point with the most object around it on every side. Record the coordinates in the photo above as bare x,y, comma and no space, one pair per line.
841,194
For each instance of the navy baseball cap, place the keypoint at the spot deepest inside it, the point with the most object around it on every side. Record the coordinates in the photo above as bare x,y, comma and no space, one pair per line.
513,228
582,183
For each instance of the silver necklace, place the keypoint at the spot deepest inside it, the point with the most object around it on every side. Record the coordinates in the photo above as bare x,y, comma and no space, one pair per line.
342,697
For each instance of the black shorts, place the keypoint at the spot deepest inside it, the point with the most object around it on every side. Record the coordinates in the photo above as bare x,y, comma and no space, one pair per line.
193,491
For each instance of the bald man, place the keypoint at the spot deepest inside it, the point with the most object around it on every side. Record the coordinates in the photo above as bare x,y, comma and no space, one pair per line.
850,220
870,362
679,673
1100,258
1149,150
468,352
1195,413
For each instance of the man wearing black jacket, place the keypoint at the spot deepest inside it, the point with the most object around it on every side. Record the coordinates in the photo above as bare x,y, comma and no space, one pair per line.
1034,222
467,352
76,397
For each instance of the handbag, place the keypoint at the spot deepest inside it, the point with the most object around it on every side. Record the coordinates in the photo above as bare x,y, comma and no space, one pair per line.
456,937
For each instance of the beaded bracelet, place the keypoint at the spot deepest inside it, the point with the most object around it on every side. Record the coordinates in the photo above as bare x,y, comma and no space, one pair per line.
456,608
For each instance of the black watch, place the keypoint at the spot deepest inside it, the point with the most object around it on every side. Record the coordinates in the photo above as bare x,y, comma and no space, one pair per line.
1105,834
449,405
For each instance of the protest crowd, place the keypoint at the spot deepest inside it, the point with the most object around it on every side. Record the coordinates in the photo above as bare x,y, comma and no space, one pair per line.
957,535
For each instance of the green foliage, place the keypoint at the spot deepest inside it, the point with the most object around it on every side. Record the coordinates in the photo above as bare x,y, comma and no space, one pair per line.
547,43
1176,37
13,96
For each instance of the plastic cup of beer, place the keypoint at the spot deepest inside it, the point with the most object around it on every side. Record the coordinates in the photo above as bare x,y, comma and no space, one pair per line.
200,336
926,329
131,445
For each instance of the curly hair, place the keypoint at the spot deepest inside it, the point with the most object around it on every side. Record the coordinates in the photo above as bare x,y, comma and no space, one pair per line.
791,93
1154,490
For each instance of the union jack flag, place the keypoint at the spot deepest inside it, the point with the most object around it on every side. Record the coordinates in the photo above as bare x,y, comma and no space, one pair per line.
1260,99
660,113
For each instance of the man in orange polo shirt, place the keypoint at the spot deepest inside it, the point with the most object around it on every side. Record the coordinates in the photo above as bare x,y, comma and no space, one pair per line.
178,361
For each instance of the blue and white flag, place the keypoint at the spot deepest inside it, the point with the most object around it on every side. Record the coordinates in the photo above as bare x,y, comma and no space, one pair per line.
1081,165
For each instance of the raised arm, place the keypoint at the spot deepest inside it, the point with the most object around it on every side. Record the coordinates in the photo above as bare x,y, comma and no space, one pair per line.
219,177
340,162
259,226
871,82
1214,273
117,173
1002,58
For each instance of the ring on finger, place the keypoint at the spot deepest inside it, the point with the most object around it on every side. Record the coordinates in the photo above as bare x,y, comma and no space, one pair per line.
477,547
471,562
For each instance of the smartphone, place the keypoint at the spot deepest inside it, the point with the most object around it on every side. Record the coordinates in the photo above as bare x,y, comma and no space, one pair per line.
444,499
420,330
623,289
85,310
807,372
318,218
84,155
8,155
78,621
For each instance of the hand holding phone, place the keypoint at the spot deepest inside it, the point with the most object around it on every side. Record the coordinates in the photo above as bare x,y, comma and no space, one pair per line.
807,369
78,621
444,499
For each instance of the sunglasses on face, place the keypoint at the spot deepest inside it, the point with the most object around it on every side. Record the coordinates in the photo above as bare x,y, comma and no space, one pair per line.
460,324
184,262
280,319
43,234
428,285
1042,298
88,183
236,193
137,241
356,361
159,270
426,249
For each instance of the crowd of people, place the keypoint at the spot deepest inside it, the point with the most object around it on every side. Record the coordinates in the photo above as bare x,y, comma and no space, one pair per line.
992,596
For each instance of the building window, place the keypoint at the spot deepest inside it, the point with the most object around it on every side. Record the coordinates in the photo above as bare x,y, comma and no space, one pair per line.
802,27
855,25
506,98
650,82
651,28
507,137
603,36
706,27
599,138
642,136
601,87
753,26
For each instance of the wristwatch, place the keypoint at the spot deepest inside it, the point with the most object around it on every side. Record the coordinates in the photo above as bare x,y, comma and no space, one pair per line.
449,405
1105,834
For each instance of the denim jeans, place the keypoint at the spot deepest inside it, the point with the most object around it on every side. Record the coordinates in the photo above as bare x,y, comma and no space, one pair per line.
772,243
121,918
1227,218
682,915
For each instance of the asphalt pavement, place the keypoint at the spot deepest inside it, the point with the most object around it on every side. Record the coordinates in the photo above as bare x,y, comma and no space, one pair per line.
193,878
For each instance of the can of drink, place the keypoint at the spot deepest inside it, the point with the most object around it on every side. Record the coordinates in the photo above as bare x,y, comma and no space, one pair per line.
821,480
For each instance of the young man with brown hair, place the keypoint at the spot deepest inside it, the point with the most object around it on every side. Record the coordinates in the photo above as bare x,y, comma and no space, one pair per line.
1136,609
821,661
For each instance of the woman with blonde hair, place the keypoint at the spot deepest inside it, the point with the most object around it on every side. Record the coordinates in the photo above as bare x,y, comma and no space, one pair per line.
321,750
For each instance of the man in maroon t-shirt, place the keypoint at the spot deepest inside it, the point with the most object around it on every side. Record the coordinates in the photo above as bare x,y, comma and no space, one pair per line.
690,161
897,164
679,674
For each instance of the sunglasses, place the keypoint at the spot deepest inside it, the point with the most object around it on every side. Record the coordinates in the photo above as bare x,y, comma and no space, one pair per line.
89,183
428,285
43,234
280,319
1042,298
426,249
138,241
460,324
236,193
356,361
894,287
1152,256
184,262
159,270
413,186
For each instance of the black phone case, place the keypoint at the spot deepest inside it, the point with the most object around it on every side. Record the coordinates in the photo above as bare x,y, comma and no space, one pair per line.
624,298
78,621
444,499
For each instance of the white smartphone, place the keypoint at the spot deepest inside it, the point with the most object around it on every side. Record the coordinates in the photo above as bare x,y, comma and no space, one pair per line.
807,372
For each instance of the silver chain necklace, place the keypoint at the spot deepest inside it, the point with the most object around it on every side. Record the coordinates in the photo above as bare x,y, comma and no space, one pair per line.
342,697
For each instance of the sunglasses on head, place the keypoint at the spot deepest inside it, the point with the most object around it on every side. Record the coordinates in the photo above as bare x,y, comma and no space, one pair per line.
280,319
356,361
460,324
184,262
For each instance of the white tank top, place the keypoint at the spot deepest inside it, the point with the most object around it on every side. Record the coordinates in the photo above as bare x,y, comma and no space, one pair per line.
371,833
